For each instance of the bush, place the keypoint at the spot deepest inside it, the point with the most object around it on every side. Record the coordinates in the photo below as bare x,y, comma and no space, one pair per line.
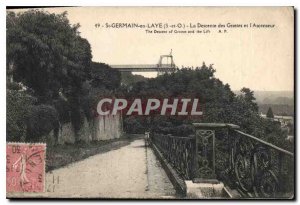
18,106
133,126
40,121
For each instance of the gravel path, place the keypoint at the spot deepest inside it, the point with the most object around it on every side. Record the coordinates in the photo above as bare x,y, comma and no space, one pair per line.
129,172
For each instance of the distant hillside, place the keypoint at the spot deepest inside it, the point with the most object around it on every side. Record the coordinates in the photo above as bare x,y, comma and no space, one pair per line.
273,97
281,102
278,109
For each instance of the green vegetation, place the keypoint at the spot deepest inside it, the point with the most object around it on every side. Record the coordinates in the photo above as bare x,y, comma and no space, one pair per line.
18,104
270,113
129,79
220,105
51,77
55,81
51,80
278,109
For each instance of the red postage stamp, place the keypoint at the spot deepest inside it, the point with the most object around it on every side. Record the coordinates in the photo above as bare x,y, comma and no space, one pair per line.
25,167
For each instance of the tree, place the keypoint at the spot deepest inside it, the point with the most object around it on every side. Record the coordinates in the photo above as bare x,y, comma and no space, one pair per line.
17,111
249,98
270,113
102,76
40,121
220,104
46,53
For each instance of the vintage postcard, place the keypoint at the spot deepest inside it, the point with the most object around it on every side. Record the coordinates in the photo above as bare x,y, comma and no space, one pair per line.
150,103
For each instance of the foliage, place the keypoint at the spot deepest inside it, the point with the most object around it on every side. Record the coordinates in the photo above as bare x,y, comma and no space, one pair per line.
270,113
133,125
17,111
13,86
278,109
56,56
47,55
40,121
105,77
63,109
129,79
220,104
27,121
291,128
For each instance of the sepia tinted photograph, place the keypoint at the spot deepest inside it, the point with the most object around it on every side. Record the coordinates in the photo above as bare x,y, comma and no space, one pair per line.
163,103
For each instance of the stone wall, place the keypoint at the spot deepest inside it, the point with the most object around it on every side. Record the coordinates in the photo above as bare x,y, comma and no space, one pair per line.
107,127
66,134
99,128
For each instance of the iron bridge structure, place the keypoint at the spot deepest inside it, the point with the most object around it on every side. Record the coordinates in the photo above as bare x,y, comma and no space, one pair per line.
160,67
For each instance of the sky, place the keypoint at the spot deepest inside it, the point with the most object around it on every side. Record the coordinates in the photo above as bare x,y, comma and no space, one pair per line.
257,58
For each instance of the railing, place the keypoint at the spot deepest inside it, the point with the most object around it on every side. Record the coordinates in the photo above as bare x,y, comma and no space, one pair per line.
134,66
178,151
243,162
257,168
150,66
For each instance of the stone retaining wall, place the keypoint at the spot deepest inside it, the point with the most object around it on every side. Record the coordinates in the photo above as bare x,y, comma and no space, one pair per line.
100,128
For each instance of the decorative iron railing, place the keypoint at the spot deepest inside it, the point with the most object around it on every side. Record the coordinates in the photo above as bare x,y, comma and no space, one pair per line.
221,151
178,151
257,168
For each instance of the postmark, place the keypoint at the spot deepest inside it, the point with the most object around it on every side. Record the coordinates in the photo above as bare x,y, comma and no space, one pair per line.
25,167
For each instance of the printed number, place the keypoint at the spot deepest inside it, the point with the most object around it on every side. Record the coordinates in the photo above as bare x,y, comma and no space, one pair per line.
40,178
16,149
